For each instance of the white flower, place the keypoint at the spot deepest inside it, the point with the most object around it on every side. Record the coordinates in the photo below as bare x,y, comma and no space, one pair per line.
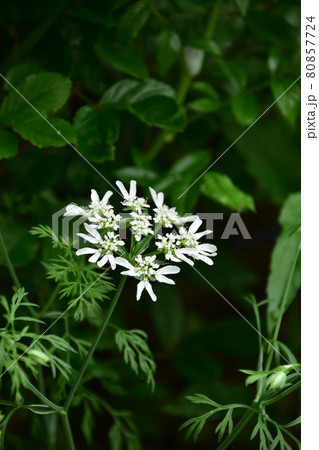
189,240
96,207
146,270
109,221
107,245
167,216
172,247
141,225
131,201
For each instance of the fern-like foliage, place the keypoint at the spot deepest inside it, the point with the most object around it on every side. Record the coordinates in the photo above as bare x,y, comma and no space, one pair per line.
196,424
136,352
22,349
77,280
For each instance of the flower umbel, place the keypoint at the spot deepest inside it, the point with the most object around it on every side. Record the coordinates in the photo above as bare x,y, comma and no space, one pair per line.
180,245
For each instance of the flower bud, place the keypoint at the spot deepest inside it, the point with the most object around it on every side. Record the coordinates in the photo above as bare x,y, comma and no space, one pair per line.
39,356
277,380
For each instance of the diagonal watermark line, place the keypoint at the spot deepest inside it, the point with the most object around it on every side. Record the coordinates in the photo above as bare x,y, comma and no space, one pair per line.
239,137
58,132
244,318
52,324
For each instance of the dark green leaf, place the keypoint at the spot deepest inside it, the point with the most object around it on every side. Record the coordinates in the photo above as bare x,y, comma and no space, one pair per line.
204,44
9,144
125,57
46,92
220,188
17,74
97,130
289,103
133,20
34,129
204,105
168,50
245,108
287,249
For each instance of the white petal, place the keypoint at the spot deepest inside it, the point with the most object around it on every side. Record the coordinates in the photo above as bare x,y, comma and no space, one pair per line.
140,289
184,258
163,279
121,187
188,219
95,257
106,197
201,234
149,289
103,261
154,196
112,262
88,238
124,262
195,225
92,231
160,198
208,248
74,210
85,251
94,196
168,269
133,188
205,259
130,273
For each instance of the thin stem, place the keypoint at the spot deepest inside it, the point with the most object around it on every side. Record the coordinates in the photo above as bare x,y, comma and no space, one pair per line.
212,20
100,332
50,301
281,395
8,262
42,397
68,432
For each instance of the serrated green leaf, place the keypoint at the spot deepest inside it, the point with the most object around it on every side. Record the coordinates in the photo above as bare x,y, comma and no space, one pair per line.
245,108
168,50
18,73
97,131
47,92
9,144
34,129
220,188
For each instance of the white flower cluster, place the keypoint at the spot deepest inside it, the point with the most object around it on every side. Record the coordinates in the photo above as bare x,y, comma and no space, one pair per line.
179,245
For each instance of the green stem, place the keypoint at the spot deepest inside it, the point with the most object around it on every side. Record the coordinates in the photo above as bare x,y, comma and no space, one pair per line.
100,332
42,397
8,262
50,301
241,424
68,432
281,395
212,20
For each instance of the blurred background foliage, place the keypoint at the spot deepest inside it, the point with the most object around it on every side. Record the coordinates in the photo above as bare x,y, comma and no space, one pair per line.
156,90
